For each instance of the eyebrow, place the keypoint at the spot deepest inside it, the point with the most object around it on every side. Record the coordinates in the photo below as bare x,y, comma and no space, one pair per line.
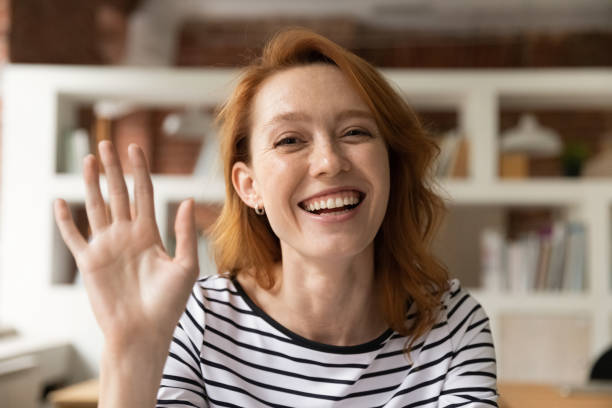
302,116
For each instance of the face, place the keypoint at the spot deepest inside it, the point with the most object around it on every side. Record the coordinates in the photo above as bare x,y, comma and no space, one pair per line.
319,164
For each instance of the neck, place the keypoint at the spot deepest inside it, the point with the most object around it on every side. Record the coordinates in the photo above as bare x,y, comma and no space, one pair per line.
332,302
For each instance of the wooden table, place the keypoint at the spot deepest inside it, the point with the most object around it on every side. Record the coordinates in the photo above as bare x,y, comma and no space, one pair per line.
81,395
85,395
513,395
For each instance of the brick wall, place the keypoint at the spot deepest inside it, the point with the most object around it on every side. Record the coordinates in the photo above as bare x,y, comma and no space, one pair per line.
68,31
232,42
235,42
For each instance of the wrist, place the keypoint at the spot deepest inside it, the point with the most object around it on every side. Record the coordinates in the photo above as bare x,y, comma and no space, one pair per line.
130,375
135,347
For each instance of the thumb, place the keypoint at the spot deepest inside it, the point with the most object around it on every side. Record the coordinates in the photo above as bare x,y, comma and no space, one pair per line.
186,236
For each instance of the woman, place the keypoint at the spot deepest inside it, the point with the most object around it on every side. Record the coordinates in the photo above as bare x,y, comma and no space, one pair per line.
327,295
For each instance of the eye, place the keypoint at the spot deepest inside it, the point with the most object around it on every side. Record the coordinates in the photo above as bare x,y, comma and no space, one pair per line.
357,132
288,141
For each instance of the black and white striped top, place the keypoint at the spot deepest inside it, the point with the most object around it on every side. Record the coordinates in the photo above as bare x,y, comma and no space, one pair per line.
227,352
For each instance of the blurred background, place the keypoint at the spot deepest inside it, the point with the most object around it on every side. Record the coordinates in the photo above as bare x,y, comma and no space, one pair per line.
518,94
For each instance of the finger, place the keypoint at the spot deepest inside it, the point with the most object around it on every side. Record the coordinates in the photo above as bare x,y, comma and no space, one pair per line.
68,230
186,237
143,187
94,203
117,191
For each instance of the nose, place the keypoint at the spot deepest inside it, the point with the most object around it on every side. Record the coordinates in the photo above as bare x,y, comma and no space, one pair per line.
328,159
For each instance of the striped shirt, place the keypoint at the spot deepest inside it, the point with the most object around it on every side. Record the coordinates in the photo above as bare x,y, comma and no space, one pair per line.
227,352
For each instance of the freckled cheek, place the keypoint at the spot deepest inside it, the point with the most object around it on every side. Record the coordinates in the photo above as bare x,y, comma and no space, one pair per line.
279,179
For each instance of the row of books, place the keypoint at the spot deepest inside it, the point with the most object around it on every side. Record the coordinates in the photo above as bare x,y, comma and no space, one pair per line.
550,259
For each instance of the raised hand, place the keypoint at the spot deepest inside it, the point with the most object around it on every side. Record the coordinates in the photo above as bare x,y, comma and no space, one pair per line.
136,290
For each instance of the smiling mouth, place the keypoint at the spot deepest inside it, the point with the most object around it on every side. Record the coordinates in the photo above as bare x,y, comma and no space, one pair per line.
337,203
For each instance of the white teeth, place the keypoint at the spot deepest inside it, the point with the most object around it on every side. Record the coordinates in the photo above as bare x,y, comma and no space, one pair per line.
331,203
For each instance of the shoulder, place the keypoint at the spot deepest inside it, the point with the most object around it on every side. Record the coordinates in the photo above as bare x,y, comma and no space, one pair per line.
215,283
207,295
463,316
206,290
212,288
455,298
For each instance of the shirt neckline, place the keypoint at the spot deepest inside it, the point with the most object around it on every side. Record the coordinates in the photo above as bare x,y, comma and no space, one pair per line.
369,346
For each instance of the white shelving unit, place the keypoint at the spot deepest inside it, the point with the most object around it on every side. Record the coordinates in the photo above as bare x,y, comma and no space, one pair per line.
37,111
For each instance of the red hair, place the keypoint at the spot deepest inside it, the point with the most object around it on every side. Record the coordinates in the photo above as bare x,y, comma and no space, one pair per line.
406,272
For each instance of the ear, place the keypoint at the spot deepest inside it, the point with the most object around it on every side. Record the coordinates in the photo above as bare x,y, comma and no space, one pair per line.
245,184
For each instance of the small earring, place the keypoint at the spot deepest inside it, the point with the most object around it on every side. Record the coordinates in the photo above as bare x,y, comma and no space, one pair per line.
259,210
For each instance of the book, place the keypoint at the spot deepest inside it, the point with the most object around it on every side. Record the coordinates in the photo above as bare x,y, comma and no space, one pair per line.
532,245
447,146
541,272
452,161
557,256
516,266
492,258
459,162
575,258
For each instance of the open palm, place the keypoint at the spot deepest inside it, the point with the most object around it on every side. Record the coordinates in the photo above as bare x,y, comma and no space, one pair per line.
136,290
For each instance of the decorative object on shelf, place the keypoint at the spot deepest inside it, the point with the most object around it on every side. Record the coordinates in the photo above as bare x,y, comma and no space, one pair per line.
523,147
573,158
514,165
77,147
601,164
192,124
208,163
530,138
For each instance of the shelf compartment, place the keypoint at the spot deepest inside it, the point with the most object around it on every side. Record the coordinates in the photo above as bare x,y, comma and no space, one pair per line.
515,249
175,138
583,131
444,127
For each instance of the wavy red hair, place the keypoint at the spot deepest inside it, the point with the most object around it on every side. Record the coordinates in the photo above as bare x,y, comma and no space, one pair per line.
406,271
